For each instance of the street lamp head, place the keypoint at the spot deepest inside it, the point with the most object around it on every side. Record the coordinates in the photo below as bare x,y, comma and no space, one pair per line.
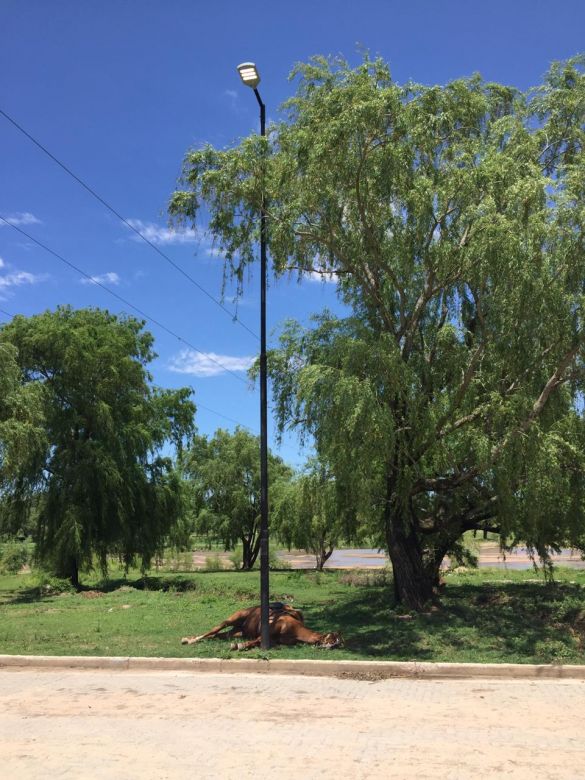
249,74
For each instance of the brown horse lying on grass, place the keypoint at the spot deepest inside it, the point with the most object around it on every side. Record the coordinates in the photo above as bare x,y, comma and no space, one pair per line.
286,628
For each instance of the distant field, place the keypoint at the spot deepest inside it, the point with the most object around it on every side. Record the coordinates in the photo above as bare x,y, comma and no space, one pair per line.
485,615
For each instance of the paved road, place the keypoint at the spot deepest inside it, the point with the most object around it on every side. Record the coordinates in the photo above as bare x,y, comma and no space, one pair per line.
85,724
489,556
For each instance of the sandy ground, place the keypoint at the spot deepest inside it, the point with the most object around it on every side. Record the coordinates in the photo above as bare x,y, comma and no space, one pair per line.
85,724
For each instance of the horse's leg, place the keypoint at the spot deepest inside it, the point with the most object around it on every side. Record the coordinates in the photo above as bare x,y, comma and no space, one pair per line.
247,645
190,640
234,620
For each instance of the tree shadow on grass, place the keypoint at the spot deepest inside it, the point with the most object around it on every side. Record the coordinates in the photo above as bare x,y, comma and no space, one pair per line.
517,622
43,592
366,620
21,596
481,622
529,622
234,586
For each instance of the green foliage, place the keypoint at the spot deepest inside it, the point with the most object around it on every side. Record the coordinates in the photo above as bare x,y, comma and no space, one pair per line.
177,560
85,456
452,217
487,616
309,513
213,563
275,562
22,437
42,583
13,556
223,475
236,557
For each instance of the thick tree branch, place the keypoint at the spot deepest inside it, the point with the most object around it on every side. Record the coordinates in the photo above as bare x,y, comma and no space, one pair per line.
372,282
411,325
554,381
468,375
445,484
461,521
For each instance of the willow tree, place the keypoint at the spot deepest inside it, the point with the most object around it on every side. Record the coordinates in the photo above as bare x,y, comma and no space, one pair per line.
22,439
452,220
223,475
90,461
311,513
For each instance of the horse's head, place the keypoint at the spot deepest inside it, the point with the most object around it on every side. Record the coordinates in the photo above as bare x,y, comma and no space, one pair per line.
331,640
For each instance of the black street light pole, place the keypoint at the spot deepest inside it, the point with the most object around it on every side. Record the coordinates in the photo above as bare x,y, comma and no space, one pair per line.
251,78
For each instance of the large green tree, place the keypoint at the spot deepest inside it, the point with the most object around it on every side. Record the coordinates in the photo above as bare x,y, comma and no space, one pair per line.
89,461
22,438
224,477
310,512
452,218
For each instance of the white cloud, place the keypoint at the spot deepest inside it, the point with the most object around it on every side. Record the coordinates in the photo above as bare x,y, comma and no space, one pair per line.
232,98
17,279
190,362
108,278
315,276
213,251
1,263
247,303
163,235
21,218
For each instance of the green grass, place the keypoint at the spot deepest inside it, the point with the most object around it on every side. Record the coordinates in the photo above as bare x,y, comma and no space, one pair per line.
485,616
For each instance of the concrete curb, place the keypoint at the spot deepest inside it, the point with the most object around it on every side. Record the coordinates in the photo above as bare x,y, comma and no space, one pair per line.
364,670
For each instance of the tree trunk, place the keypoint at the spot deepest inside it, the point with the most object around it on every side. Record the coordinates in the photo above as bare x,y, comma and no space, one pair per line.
321,557
435,553
246,554
69,570
250,552
433,558
413,586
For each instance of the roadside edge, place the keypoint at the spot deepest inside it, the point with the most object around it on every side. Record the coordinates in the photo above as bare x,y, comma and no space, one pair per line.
367,670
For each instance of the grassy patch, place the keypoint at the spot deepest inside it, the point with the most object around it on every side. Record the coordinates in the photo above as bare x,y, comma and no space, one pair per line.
485,615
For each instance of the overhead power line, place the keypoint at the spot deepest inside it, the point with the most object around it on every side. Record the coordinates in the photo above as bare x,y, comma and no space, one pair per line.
199,405
121,298
126,222
225,417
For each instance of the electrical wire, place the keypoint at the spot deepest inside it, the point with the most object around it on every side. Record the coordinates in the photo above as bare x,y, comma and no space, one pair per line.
121,298
225,417
198,405
126,222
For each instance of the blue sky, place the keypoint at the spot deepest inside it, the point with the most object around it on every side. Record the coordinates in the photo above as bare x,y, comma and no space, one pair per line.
119,90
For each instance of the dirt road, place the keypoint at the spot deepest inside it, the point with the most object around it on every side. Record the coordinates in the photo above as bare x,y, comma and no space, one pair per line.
85,724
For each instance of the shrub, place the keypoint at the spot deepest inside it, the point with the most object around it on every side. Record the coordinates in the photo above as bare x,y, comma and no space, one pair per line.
236,557
276,562
13,556
180,561
553,650
364,578
48,585
213,563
